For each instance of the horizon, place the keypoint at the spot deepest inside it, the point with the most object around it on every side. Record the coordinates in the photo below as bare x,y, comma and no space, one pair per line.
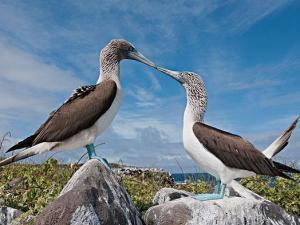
248,55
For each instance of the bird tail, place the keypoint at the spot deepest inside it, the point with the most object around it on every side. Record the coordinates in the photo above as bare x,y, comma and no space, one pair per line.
281,142
34,150
23,144
285,168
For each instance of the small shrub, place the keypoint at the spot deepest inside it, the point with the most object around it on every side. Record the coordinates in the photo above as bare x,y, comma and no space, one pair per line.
283,192
32,187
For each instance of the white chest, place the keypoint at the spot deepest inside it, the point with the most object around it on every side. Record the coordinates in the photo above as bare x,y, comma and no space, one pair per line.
189,139
204,159
106,119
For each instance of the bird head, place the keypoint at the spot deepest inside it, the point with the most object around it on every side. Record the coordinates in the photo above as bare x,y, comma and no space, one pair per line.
195,90
119,49
186,79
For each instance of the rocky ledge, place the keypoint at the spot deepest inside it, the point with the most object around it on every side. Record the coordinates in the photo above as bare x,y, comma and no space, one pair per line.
8,215
93,196
240,206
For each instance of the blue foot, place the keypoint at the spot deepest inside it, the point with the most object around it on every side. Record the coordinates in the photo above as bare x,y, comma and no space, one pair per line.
103,161
217,188
92,155
206,197
218,193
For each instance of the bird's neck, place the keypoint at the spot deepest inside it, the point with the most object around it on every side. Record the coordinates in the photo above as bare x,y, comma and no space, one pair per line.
110,65
110,71
195,108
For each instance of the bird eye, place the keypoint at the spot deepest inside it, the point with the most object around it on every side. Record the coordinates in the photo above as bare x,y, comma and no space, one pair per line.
131,49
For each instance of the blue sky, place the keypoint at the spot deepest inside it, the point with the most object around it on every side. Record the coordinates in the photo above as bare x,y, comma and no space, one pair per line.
247,52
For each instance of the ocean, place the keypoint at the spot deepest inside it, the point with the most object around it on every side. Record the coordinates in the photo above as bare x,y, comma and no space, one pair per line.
182,177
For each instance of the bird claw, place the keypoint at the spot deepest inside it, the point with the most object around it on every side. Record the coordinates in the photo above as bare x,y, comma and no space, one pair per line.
218,193
103,161
92,155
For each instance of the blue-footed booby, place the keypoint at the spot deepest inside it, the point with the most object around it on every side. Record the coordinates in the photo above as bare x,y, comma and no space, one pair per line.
224,155
87,113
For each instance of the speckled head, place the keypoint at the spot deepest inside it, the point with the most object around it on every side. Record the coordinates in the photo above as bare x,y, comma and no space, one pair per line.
189,80
195,90
118,49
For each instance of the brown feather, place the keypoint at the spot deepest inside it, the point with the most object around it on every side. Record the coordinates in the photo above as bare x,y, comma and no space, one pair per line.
79,112
234,151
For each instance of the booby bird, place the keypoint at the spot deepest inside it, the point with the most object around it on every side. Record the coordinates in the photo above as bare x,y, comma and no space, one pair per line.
88,111
224,155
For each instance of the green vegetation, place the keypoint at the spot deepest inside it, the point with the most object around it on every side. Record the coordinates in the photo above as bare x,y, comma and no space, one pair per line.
280,191
31,187
285,193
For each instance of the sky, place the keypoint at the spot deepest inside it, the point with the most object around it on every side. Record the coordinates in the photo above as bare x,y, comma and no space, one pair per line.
247,52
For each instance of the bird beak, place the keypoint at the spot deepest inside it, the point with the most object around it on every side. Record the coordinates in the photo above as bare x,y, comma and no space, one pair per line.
174,74
135,55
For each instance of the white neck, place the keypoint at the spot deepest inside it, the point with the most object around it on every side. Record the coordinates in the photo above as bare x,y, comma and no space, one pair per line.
193,114
196,103
188,117
110,73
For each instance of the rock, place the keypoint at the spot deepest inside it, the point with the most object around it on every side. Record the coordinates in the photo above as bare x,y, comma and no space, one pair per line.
169,194
240,206
13,183
7,215
93,196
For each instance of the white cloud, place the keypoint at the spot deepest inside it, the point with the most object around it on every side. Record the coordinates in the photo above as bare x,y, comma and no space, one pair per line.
155,85
149,147
39,29
29,87
143,97
29,71
244,14
223,68
281,99
129,124
257,83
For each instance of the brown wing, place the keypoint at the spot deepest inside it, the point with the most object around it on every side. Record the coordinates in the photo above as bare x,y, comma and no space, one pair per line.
79,112
234,151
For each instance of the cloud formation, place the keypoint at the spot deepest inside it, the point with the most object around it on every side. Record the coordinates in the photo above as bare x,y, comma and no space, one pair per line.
47,49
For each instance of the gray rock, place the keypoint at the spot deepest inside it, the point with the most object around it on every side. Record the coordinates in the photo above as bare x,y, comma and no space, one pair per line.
8,215
93,196
169,194
240,206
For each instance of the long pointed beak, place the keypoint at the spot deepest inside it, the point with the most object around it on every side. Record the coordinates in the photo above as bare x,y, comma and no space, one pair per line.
171,73
139,57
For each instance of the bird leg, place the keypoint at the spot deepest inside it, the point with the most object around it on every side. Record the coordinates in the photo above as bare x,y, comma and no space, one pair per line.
218,193
217,188
92,155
